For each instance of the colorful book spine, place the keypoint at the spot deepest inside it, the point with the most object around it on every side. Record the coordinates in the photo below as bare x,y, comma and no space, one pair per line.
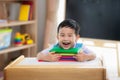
67,54
31,8
67,58
24,12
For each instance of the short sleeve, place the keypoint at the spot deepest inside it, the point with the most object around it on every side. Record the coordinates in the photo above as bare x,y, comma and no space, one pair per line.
86,50
46,51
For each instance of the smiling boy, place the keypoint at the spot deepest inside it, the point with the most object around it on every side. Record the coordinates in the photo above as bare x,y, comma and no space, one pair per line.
67,35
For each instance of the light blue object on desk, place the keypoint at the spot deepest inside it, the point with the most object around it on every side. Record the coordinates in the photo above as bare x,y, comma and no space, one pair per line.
5,38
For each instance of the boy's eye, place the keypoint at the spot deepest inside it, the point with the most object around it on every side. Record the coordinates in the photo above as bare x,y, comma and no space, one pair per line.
70,35
67,35
62,35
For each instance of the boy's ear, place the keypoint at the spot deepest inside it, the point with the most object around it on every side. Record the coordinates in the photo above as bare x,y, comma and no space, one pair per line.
77,37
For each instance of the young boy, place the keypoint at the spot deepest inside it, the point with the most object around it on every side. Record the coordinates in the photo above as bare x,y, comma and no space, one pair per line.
67,35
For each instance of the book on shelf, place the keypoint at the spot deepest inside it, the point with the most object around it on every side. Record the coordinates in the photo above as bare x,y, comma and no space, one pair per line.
31,8
13,9
20,11
24,12
3,13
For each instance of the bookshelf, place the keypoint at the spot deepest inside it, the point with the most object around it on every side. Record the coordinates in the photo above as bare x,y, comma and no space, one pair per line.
23,26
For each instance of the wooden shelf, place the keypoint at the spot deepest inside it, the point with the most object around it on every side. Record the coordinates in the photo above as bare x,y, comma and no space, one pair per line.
23,28
14,48
27,27
16,23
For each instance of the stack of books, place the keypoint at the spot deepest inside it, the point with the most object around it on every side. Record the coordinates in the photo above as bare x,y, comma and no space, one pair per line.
67,54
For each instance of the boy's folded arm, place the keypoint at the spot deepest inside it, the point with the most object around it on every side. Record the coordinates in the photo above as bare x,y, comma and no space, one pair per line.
51,56
85,57
72,51
40,56
91,56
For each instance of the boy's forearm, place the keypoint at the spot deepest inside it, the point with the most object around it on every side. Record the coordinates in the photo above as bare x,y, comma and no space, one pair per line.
91,56
40,56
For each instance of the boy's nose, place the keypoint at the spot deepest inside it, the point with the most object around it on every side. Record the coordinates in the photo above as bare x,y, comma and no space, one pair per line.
66,38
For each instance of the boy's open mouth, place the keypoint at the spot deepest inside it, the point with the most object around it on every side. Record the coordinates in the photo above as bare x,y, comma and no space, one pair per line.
66,44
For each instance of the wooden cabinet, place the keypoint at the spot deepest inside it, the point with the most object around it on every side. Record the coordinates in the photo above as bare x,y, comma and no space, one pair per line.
28,26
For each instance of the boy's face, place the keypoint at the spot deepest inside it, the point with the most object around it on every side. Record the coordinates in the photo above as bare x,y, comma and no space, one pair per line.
67,37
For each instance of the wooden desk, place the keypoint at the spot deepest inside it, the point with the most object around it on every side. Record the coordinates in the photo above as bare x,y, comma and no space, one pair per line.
30,69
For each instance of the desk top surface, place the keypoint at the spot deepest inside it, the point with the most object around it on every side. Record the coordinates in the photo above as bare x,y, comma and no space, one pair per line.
35,62
32,62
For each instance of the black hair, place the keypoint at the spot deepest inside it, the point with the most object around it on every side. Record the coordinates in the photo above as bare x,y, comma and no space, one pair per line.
70,23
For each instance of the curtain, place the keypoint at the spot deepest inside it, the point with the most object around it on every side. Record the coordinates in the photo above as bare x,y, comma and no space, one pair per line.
52,20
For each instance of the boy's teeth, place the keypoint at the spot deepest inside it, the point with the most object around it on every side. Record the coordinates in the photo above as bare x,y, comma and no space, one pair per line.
66,43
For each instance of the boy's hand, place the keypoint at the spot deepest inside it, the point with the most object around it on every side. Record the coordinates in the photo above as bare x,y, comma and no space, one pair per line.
81,57
52,56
